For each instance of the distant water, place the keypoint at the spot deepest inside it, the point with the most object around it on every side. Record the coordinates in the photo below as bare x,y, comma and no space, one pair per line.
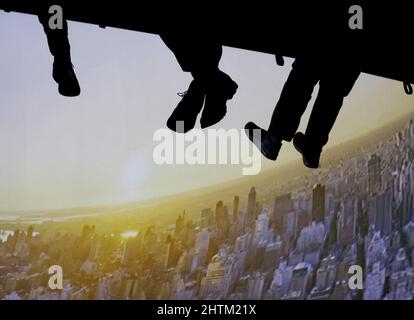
40,220
9,218
4,234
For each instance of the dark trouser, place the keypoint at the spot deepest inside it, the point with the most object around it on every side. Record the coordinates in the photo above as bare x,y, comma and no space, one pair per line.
335,82
57,39
199,55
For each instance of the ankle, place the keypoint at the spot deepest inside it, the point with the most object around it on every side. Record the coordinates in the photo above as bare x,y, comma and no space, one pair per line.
312,144
62,61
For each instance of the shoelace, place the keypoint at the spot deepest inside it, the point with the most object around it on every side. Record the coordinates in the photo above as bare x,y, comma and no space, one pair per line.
182,94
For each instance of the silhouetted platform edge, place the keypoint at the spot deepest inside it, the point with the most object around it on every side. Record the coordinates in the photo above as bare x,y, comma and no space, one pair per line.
382,48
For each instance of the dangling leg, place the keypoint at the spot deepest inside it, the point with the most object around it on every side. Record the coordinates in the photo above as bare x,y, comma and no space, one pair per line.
59,47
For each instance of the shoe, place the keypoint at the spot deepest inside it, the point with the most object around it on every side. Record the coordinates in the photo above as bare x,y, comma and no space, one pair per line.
65,77
184,116
267,145
221,89
310,155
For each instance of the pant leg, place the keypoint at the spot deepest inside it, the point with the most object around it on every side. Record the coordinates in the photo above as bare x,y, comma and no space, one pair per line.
334,86
57,39
294,98
196,55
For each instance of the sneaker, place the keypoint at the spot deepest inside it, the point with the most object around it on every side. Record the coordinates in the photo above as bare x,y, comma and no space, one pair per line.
65,77
267,145
222,89
184,116
311,156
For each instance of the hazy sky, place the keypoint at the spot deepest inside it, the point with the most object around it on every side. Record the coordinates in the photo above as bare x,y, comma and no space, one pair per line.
58,152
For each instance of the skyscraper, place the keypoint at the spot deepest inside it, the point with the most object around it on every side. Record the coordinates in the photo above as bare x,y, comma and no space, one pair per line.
300,282
255,286
236,205
380,212
318,203
220,276
347,221
374,174
282,206
173,253
201,245
251,205
207,218
222,219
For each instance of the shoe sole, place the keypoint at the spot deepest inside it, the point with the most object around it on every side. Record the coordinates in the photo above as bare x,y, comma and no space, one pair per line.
66,94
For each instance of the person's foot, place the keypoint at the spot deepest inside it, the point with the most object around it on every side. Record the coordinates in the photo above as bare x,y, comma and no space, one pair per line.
221,89
267,145
184,116
310,154
65,77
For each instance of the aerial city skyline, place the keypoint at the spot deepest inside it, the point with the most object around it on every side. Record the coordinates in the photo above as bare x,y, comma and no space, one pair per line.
300,245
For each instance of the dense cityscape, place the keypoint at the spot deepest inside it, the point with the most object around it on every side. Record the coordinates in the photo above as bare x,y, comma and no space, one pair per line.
300,246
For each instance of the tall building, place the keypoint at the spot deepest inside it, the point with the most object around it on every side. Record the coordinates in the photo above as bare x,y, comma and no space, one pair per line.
201,245
255,286
222,219
374,174
280,282
30,233
300,282
318,203
409,234
272,255
380,212
236,206
347,221
251,205
282,205
262,223
303,220
375,282
180,223
94,250
173,253
325,279
220,276
207,218
291,223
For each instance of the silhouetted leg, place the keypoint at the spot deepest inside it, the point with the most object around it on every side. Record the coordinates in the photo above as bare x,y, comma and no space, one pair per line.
333,87
57,39
332,91
292,103
201,57
59,47
294,99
